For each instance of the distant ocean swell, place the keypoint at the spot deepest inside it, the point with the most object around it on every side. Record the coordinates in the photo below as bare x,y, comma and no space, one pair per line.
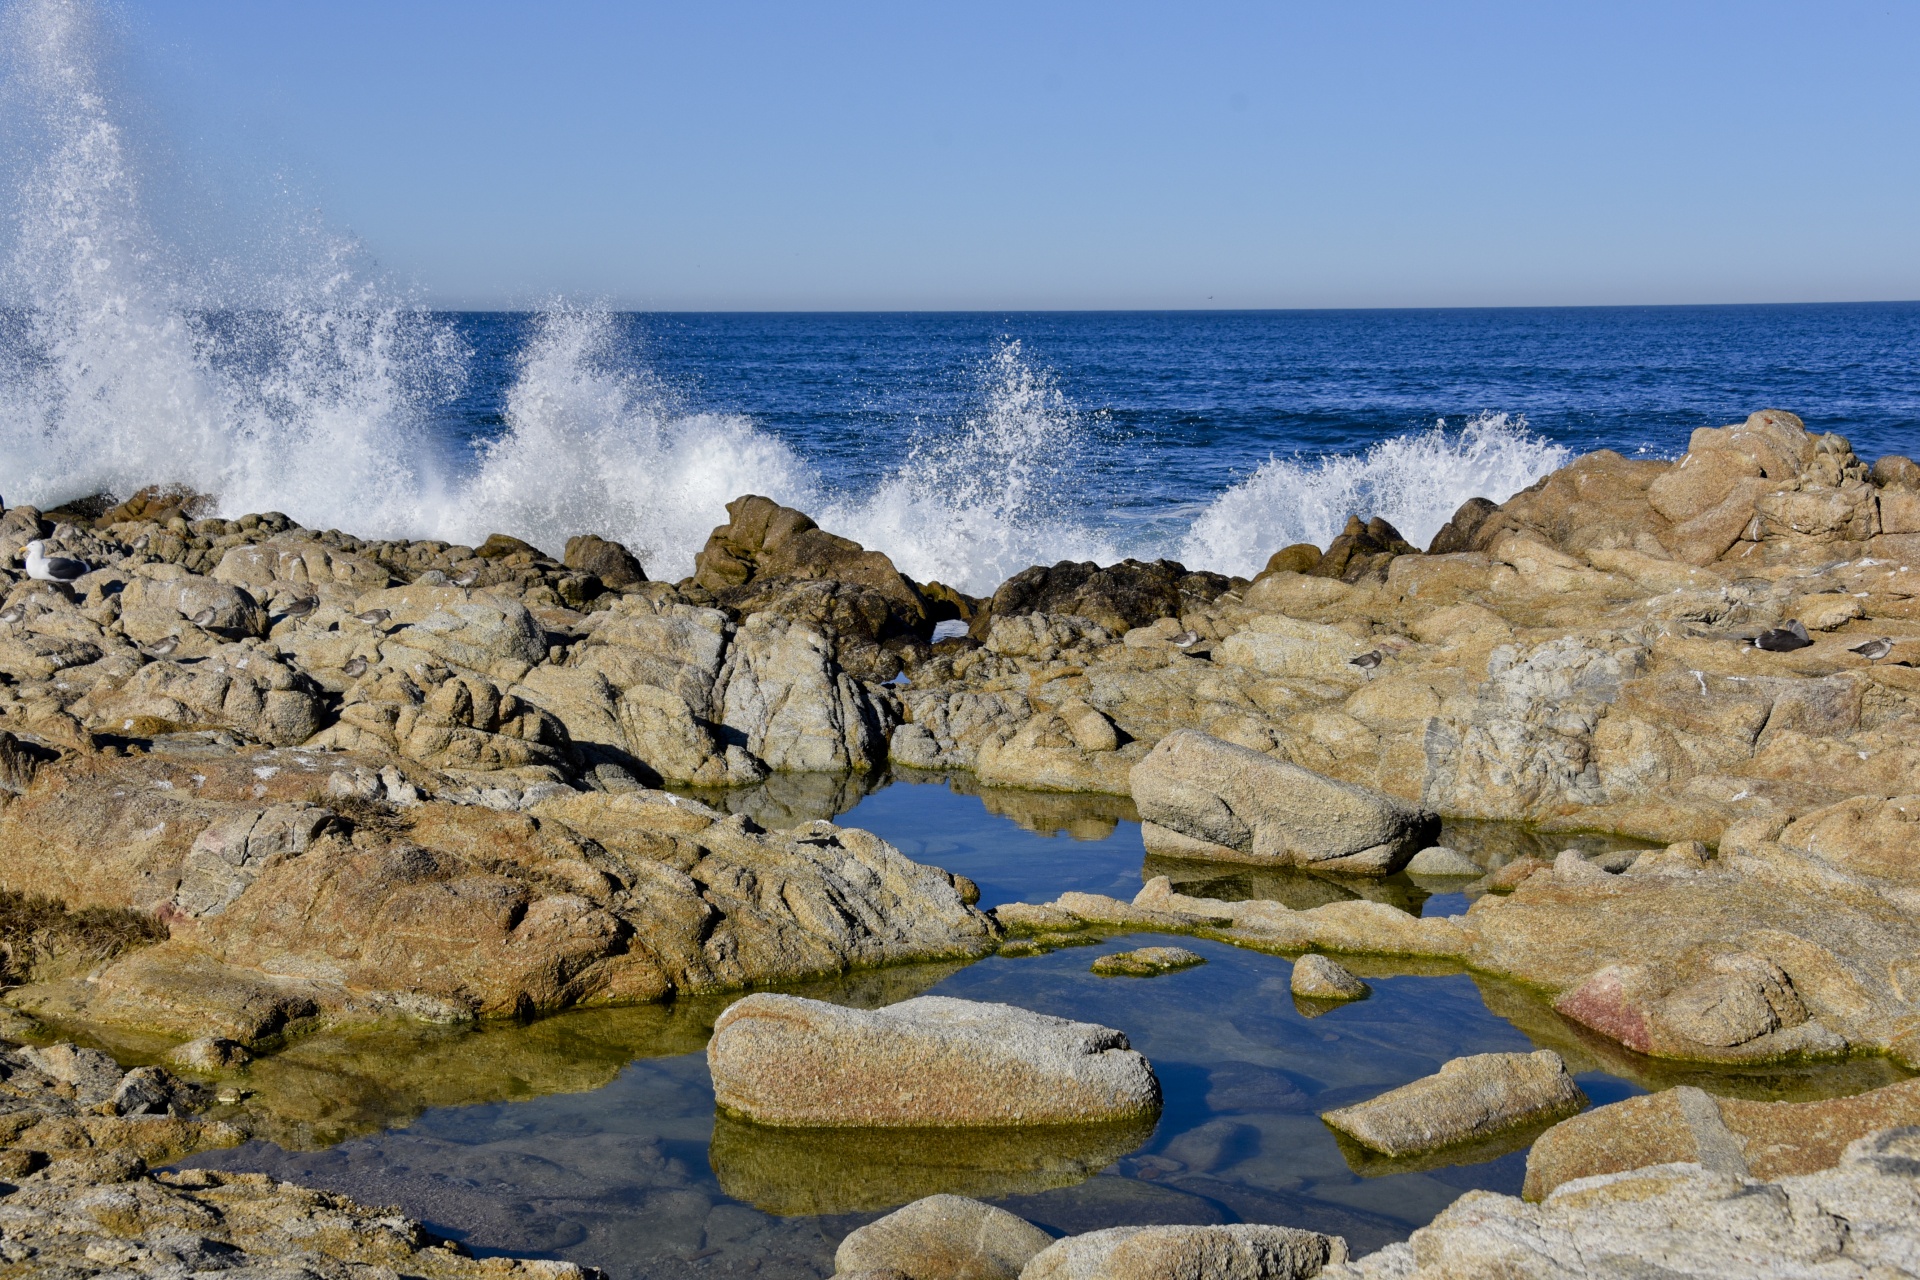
309,389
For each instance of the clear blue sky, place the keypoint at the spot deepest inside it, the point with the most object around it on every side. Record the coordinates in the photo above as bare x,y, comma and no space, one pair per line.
727,155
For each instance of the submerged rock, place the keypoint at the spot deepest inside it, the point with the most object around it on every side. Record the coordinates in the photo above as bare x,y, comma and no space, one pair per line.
931,1061
1208,798
943,1237
1468,1099
1146,962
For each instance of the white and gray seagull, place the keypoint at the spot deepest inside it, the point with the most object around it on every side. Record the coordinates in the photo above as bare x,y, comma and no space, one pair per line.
42,567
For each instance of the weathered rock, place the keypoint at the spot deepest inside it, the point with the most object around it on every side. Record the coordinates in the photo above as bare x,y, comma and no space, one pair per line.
1766,1140
1438,860
476,631
1363,549
763,539
1146,962
1118,597
1851,1222
605,559
247,690
931,1061
1239,1252
1315,977
1214,799
943,1238
1468,1099
1276,645
794,706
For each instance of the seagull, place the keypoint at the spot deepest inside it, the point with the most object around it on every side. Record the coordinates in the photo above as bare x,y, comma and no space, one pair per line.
1873,650
204,618
16,614
44,568
299,608
467,579
373,617
355,668
1783,639
1367,661
164,647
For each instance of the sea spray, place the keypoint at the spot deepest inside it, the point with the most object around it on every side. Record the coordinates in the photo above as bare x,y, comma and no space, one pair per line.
1414,481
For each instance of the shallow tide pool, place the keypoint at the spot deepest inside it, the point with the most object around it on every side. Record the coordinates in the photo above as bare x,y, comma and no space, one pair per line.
592,1136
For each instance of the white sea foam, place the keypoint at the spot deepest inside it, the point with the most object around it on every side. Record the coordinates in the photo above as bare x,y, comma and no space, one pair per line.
1416,482
308,385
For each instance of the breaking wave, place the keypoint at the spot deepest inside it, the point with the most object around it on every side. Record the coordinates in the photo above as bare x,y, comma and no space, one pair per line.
312,386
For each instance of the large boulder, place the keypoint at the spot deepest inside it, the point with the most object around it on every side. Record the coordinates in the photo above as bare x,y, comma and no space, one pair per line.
1468,1100
1243,1251
613,564
482,632
1117,597
1204,797
162,599
763,539
793,705
1733,1135
247,690
943,1238
928,1062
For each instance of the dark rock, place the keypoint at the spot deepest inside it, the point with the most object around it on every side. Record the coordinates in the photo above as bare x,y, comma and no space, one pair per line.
1457,534
766,540
1362,550
606,560
1118,597
499,546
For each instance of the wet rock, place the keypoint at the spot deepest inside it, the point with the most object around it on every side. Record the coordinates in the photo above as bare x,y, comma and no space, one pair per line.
1146,962
943,1237
932,1061
1467,1099
1732,1135
1208,798
611,563
1363,549
1438,860
1238,1252
1315,977
1457,533
210,1053
763,539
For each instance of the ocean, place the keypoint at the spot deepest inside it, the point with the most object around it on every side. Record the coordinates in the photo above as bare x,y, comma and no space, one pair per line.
965,445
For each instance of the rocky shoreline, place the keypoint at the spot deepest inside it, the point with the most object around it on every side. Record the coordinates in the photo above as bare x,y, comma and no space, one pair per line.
258,781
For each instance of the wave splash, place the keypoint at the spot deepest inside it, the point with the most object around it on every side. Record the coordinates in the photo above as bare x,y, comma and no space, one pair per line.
1416,482
311,386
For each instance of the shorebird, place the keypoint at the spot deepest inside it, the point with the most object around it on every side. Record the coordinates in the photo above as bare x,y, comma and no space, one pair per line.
299,608
1784,639
1873,650
1186,639
1367,661
16,614
373,617
355,668
42,567
204,618
467,579
163,648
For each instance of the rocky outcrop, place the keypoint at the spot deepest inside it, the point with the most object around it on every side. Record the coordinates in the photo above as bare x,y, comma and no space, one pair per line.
1739,1136
1854,1221
928,1062
1212,799
1468,1100
943,1238
1118,597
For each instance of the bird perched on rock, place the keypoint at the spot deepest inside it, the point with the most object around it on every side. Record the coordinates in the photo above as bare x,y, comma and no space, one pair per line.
16,614
467,579
1873,650
374,617
42,567
1367,661
1186,640
355,668
204,618
1783,639
163,648
299,608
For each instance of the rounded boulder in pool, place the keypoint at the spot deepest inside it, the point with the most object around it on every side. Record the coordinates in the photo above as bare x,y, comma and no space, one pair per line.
928,1062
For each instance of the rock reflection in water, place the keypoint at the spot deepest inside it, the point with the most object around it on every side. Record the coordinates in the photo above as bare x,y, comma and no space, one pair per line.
833,1171
1298,889
791,799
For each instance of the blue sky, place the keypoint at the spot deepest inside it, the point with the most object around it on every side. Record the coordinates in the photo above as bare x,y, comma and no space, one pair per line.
728,155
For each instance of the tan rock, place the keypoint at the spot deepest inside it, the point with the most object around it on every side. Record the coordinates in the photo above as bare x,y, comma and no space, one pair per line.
1315,977
931,1061
1146,962
1468,1099
1238,1252
943,1238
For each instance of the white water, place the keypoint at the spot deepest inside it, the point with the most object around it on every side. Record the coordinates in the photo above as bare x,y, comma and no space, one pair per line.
1416,482
309,386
